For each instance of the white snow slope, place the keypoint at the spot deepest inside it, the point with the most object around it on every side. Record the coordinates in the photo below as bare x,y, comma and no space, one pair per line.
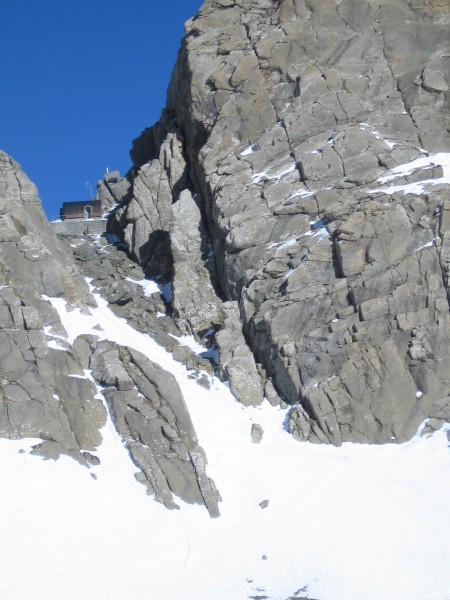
358,522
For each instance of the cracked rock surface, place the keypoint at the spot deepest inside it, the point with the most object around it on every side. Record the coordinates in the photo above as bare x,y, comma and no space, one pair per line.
149,412
273,205
288,121
47,388
43,392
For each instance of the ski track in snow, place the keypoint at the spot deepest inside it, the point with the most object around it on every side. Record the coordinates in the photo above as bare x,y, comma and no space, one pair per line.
359,522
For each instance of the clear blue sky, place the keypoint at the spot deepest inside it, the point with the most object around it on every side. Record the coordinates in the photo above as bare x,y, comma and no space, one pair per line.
80,80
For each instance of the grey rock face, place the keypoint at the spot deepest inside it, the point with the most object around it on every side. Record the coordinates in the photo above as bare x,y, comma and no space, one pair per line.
32,257
112,190
144,219
43,390
145,402
149,412
268,197
237,363
195,302
290,115
119,281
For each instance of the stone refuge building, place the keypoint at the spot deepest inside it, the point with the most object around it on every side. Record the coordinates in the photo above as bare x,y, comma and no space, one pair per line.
86,209
86,216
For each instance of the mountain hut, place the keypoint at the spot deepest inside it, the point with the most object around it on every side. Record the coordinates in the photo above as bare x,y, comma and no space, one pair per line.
87,209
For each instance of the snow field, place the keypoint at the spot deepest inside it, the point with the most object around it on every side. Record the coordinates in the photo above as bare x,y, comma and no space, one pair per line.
352,523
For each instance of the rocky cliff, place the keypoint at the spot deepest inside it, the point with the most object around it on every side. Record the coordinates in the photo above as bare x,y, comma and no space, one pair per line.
300,174
292,205
290,211
51,386
41,395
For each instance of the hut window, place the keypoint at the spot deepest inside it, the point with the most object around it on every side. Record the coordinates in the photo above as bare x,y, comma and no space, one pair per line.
88,212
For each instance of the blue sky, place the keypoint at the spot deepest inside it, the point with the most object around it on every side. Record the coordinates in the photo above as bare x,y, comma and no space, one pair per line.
81,79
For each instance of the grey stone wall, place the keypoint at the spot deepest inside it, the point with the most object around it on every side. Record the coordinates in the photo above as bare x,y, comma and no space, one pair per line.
79,226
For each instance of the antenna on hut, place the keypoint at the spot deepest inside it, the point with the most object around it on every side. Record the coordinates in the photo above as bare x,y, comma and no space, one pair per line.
89,187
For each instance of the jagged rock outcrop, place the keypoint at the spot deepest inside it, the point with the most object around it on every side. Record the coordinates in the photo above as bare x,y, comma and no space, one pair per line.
293,119
111,190
144,217
196,305
294,197
150,414
43,392
121,282
47,386
236,362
